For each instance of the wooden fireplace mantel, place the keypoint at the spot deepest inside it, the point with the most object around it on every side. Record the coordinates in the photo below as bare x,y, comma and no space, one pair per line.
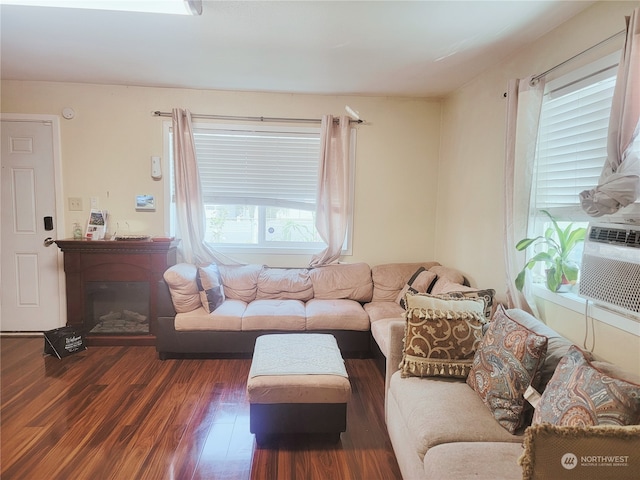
114,261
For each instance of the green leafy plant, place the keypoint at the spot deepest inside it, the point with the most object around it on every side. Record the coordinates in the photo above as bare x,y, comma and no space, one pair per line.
559,243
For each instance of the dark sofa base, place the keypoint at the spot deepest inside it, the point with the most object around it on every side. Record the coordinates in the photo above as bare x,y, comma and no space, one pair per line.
171,343
269,420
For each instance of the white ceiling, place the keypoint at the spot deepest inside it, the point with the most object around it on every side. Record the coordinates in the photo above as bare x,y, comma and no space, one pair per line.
414,48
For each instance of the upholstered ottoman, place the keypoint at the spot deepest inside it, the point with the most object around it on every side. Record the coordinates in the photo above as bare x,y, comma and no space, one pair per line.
297,384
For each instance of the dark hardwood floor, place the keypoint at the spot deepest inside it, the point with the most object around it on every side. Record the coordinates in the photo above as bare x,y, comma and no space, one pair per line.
120,413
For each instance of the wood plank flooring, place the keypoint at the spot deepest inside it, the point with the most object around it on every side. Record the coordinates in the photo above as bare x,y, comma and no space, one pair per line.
120,413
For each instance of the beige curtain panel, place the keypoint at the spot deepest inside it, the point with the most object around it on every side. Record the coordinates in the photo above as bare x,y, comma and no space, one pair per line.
333,196
524,102
619,183
189,207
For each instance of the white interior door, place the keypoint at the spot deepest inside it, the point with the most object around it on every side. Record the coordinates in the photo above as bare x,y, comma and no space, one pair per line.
31,276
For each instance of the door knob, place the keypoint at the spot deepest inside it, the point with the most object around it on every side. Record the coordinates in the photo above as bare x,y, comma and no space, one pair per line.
48,241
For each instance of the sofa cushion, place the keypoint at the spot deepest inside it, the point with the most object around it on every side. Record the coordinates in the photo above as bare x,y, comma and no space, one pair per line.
350,281
227,317
446,275
284,283
209,284
580,394
271,314
427,408
473,460
390,278
381,334
509,347
458,291
441,336
557,345
240,281
337,314
420,282
382,310
181,279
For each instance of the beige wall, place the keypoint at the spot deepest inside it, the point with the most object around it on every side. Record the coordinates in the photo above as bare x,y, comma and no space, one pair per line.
106,153
605,341
470,183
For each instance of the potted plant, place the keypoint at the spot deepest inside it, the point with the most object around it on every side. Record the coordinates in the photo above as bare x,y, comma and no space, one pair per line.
559,243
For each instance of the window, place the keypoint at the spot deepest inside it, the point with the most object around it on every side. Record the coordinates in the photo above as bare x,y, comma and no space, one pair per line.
259,187
572,144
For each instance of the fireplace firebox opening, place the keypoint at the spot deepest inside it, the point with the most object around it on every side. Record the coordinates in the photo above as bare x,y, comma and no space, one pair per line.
117,308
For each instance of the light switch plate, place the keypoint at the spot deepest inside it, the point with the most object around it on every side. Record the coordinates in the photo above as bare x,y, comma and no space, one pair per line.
75,204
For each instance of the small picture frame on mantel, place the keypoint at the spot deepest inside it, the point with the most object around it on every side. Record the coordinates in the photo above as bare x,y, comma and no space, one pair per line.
145,203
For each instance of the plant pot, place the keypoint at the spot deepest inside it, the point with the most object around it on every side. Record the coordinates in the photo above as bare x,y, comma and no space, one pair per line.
564,285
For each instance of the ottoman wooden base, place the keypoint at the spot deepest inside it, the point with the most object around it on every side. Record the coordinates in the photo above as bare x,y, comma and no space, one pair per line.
297,385
267,420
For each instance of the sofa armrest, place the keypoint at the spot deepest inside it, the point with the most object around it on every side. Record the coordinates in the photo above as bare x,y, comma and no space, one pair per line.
164,304
396,346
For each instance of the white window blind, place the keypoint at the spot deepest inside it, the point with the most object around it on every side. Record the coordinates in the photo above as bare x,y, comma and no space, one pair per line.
572,142
258,167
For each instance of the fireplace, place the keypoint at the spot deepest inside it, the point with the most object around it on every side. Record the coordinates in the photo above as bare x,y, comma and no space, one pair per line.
117,308
112,288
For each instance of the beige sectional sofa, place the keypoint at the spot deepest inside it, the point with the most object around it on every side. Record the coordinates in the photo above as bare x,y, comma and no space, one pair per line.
342,299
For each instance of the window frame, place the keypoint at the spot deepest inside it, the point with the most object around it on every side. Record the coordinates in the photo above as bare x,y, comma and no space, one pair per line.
571,300
569,83
270,248
538,223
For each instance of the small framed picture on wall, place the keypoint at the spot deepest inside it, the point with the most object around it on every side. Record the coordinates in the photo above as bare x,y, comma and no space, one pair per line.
145,203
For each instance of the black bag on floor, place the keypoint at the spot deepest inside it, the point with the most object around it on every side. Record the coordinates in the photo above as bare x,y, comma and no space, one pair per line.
64,341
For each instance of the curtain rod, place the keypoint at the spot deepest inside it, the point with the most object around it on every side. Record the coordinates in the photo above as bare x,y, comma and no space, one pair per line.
158,113
546,72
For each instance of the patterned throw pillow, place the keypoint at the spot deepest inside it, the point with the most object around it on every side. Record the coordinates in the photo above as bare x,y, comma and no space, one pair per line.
579,394
458,291
420,282
209,284
506,363
441,336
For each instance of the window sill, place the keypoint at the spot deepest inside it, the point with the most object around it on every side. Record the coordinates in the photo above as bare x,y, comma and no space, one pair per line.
572,301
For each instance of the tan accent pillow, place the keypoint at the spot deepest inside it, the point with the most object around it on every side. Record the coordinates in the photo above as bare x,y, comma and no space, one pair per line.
284,284
446,275
181,279
210,287
420,282
441,336
605,452
456,290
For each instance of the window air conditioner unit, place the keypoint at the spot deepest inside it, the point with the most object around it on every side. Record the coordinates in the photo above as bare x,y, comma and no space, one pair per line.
610,273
